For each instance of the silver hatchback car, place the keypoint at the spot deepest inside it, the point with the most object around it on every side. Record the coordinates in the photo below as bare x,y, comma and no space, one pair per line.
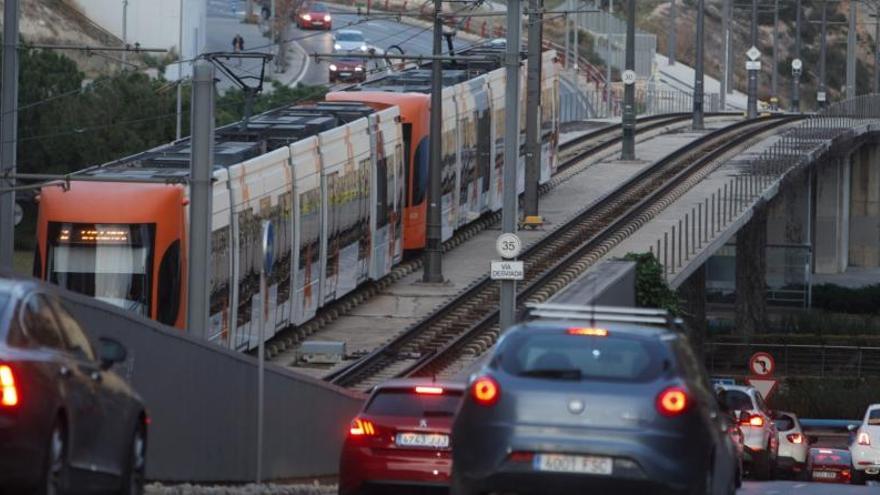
604,406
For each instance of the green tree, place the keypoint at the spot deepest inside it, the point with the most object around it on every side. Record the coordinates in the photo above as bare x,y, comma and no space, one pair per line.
652,291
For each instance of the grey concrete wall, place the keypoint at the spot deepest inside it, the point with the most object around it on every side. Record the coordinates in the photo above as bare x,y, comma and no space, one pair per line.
864,239
202,403
831,220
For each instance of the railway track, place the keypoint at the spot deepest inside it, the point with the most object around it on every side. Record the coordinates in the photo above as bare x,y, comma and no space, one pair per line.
571,154
460,331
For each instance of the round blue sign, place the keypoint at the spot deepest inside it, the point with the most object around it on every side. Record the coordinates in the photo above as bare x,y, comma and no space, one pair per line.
268,247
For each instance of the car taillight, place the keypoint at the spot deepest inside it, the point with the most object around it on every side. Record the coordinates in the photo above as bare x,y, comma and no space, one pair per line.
864,438
795,438
756,421
846,474
486,391
521,457
362,428
672,401
588,332
8,391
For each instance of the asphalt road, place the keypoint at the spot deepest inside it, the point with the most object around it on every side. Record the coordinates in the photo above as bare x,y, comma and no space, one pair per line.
800,488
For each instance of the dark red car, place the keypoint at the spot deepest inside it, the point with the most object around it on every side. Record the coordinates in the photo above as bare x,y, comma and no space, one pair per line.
347,70
401,439
314,16
830,466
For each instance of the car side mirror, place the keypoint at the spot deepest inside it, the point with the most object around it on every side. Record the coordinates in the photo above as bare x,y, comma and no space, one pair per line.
112,352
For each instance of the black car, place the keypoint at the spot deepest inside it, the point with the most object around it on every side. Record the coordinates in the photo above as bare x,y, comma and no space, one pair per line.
67,423
617,403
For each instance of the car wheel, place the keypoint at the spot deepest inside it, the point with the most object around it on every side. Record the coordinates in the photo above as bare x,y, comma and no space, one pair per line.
133,481
858,477
57,468
761,466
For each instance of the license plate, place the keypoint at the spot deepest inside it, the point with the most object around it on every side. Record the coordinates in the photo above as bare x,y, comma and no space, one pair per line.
824,475
318,23
345,74
427,440
573,464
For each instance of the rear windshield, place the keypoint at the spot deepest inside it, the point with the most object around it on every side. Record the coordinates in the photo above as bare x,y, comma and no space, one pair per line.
835,457
575,357
873,416
349,36
406,403
784,423
736,400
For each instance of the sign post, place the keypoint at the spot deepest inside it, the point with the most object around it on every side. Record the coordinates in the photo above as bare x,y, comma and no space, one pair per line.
265,272
508,246
761,367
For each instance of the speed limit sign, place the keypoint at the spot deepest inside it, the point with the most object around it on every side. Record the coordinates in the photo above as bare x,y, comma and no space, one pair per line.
629,77
508,246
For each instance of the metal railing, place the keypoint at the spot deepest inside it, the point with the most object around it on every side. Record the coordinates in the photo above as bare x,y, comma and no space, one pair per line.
807,361
793,148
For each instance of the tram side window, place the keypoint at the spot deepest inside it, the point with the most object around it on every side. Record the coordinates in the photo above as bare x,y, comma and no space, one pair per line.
169,285
407,161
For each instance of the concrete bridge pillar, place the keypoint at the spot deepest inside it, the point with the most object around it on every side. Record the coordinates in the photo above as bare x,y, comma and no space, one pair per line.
693,293
832,215
864,238
751,270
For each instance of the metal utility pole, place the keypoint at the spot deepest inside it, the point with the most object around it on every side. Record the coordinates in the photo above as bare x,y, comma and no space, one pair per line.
125,31
774,82
796,73
698,70
821,93
629,95
725,42
851,40
577,32
877,48
202,159
511,152
8,132
180,75
671,38
753,73
608,16
567,34
533,115
433,272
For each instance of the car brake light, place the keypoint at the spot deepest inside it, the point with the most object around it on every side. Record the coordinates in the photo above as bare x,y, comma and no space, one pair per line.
8,391
672,401
846,473
588,332
429,390
864,438
796,438
486,391
362,428
521,457
756,421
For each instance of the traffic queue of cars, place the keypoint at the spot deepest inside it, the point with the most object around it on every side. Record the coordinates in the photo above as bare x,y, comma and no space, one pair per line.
581,401
66,420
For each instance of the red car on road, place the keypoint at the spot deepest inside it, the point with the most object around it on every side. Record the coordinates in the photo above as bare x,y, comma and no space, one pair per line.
401,439
830,466
314,16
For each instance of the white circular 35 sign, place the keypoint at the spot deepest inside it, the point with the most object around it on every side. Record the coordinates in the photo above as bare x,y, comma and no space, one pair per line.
508,246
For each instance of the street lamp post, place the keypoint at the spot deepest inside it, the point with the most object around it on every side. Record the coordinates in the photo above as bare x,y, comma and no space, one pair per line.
796,75
629,95
698,72
753,72
821,93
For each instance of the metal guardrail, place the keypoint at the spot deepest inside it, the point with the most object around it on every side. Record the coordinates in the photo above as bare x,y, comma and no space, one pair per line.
803,361
794,148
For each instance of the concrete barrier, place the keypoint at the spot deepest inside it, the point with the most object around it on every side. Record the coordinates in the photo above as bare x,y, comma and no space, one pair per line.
201,401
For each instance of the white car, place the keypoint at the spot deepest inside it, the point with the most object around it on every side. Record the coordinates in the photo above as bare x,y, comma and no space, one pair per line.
865,448
759,431
350,40
793,444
